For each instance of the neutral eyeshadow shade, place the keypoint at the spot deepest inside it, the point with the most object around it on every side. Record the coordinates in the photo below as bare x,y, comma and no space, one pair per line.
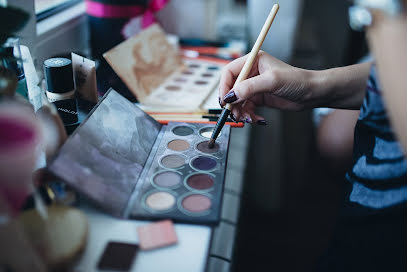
173,161
201,82
167,179
187,72
204,163
207,132
204,147
178,145
180,79
196,203
194,65
207,75
183,131
160,201
173,88
200,181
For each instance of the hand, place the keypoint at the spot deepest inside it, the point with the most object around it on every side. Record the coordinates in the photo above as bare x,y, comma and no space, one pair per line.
270,83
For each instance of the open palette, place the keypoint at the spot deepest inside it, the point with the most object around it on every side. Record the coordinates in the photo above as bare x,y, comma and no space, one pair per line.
134,167
155,73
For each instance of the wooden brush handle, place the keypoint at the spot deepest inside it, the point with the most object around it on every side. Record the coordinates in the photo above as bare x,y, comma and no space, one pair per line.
255,50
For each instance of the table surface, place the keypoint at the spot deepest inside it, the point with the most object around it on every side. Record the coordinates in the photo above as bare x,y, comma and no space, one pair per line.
189,254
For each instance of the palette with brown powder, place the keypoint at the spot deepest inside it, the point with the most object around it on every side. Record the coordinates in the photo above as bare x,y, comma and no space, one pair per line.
134,167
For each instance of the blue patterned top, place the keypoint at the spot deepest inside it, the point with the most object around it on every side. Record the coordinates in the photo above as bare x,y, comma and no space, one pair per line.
378,176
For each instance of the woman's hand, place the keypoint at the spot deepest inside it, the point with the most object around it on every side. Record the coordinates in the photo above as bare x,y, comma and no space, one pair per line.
273,83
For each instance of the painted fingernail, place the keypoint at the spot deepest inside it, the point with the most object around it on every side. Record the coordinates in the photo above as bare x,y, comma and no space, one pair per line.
249,120
220,102
230,97
262,122
233,117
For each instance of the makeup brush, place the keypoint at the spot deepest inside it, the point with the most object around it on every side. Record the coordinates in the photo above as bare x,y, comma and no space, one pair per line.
245,72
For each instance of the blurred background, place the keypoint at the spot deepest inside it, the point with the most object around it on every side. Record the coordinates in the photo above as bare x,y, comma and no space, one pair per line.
289,194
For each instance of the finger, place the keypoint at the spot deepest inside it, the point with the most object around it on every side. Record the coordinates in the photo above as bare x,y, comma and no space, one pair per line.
249,87
230,72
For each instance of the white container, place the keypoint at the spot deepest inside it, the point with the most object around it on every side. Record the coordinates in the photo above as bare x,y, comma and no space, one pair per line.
281,37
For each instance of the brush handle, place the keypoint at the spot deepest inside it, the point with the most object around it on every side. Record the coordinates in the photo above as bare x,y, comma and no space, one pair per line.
247,67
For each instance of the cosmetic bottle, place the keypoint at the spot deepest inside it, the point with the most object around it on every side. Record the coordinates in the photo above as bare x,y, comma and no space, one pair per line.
13,61
60,89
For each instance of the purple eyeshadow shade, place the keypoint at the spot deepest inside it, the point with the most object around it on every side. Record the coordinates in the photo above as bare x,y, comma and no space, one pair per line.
204,163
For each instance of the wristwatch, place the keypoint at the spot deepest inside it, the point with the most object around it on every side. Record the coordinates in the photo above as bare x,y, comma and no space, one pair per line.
360,15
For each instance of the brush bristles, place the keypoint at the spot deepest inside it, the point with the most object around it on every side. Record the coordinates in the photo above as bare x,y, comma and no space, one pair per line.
211,143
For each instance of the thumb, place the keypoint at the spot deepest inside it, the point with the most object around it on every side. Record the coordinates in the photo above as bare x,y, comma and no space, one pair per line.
249,87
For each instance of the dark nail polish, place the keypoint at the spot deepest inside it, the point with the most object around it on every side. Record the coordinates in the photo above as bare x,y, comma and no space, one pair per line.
220,102
230,97
233,118
262,122
248,120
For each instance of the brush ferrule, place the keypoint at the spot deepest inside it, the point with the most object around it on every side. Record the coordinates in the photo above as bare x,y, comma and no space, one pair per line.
221,122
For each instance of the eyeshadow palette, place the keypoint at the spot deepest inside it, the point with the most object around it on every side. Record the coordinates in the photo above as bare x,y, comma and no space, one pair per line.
132,166
153,70
187,87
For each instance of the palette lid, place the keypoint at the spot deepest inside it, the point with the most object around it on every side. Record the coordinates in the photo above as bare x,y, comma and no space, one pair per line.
104,157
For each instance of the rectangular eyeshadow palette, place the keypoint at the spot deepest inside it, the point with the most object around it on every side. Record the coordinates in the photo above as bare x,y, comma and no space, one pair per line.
189,86
133,167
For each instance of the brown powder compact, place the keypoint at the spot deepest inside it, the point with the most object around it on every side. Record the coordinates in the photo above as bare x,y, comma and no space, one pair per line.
134,167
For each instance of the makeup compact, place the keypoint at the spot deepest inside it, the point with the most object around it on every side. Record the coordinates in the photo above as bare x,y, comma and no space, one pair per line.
134,167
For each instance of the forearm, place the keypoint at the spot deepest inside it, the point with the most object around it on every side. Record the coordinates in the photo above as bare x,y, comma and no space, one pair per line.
388,41
341,88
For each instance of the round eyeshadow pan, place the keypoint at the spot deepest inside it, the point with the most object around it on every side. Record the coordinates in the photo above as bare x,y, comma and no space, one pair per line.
213,68
160,201
204,147
204,163
207,132
173,161
187,72
167,179
182,131
207,75
178,145
194,65
173,88
201,82
196,203
200,181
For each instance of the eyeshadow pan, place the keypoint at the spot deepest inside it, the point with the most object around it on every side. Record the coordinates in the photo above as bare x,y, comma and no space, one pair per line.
200,181
178,145
173,88
194,65
213,68
173,161
167,179
207,75
188,72
204,147
118,256
180,79
207,132
182,131
204,163
160,201
201,82
196,203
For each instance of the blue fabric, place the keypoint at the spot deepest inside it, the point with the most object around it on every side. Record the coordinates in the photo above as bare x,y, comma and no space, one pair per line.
379,173
371,232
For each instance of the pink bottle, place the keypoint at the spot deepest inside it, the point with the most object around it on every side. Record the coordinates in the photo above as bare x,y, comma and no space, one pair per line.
20,138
